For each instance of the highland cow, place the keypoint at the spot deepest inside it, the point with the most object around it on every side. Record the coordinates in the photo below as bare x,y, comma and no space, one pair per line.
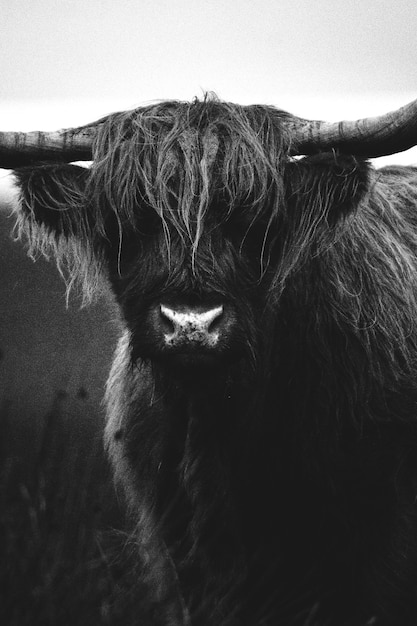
262,403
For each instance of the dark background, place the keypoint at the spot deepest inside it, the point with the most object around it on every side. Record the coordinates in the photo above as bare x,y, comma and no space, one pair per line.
47,346
62,530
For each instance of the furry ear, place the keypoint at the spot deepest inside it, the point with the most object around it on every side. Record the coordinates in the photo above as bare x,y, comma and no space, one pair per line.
52,196
328,185
54,217
319,192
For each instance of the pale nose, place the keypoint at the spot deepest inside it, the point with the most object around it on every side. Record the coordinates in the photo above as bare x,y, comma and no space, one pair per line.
190,325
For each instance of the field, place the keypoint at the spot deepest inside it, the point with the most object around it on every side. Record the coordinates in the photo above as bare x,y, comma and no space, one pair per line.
64,548
60,552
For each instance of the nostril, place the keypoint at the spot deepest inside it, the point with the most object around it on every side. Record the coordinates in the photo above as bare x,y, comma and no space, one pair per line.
167,319
216,320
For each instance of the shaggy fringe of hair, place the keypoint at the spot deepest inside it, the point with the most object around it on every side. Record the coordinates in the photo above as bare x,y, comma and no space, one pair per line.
179,158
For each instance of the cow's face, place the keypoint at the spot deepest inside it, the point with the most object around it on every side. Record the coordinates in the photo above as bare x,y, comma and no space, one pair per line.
194,303
200,290
198,282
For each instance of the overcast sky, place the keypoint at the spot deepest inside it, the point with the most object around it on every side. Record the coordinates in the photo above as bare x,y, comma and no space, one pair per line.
66,62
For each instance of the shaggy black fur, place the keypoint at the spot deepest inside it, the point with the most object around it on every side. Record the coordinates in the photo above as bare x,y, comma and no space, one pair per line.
275,484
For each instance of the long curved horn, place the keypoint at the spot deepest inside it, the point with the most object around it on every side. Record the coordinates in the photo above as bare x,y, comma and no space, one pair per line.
367,137
71,144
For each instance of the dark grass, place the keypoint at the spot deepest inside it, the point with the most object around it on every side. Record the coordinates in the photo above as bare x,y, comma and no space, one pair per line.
64,550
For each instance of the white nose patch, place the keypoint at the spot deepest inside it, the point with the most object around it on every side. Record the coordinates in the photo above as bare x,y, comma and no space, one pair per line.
191,326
